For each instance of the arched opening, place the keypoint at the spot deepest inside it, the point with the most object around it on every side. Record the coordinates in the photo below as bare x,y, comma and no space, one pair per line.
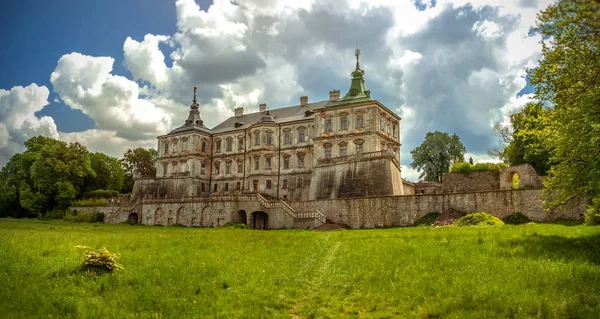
513,178
132,218
242,217
171,219
260,220
159,216
182,218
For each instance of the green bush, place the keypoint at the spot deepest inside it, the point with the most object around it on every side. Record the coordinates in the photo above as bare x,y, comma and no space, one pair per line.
427,220
84,217
478,219
592,213
89,202
101,193
516,219
466,167
100,259
55,214
236,225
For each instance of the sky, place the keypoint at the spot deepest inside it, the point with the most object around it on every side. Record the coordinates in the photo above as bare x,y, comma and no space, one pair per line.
113,75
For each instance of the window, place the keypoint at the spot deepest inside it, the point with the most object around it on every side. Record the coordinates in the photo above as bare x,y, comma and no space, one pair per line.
238,186
203,187
256,163
240,144
203,146
166,147
228,168
300,183
256,138
359,121
165,168
389,128
268,184
229,145
287,137
300,160
269,138
359,149
268,163
344,123
382,124
286,162
328,127
240,168
327,150
343,151
394,129
215,187
301,136
218,147
284,183
202,168
184,143
226,186
217,168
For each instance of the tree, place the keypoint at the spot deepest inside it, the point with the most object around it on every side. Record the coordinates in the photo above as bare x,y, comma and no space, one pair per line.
528,137
110,174
568,78
138,161
436,154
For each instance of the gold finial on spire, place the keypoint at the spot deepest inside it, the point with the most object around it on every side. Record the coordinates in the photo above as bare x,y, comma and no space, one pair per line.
195,87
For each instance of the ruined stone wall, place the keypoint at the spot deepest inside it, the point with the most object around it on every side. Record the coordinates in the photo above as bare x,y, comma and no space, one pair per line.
404,210
408,188
528,178
471,182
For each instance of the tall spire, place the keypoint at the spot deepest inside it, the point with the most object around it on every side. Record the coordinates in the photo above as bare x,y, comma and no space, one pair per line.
357,92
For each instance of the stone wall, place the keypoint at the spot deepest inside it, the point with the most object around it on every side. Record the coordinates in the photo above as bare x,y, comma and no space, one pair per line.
528,178
471,182
404,210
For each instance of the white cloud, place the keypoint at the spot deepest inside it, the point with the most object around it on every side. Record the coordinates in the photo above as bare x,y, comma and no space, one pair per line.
113,102
18,122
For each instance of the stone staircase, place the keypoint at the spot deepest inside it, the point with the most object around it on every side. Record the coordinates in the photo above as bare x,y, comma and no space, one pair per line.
280,203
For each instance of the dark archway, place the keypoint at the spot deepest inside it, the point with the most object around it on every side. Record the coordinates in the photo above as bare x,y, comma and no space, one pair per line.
242,217
133,218
159,216
259,220
255,186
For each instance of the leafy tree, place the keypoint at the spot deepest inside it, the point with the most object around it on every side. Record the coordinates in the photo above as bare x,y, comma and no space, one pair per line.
528,137
568,78
109,173
436,154
138,161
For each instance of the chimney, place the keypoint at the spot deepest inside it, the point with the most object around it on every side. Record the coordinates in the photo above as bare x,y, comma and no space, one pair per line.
263,107
303,100
334,95
239,111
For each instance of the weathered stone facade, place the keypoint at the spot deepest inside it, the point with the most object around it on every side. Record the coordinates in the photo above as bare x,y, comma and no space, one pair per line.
492,180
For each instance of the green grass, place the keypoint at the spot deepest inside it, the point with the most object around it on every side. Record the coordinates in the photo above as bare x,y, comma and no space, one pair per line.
531,270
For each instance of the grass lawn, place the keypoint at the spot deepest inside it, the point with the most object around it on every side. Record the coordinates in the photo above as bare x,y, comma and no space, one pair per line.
173,272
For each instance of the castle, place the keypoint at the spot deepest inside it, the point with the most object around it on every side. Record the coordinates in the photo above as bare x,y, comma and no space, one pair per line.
305,165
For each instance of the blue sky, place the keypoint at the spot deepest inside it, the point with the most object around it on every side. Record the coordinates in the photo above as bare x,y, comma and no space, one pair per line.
123,70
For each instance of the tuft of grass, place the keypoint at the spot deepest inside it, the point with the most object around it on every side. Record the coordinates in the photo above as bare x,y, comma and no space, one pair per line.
524,271
427,220
516,219
478,219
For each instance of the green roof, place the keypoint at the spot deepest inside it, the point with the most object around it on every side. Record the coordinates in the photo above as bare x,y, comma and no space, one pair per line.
357,92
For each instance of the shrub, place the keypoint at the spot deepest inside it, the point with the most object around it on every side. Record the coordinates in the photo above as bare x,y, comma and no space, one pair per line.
592,213
89,202
466,167
478,219
84,217
516,219
100,259
101,193
427,220
236,225
55,214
